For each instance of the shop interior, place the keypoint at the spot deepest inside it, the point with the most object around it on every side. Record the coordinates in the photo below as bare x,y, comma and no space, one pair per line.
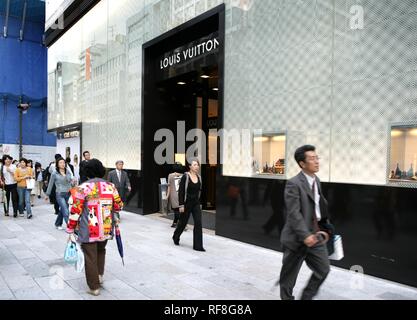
403,158
194,97
269,154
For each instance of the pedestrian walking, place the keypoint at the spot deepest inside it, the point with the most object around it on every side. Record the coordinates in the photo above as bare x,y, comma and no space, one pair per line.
9,185
39,179
52,168
22,175
62,179
302,237
120,179
32,189
94,213
87,157
189,194
172,194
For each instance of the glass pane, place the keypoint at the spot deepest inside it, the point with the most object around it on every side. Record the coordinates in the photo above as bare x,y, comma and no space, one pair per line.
269,154
403,159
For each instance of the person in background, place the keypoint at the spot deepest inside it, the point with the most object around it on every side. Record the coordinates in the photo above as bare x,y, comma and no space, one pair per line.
76,168
2,191
21,175
87,157
46,176
189,194
39,179
7,171
172,194
71,167
63,180
120,179
93,214
32,191
52,168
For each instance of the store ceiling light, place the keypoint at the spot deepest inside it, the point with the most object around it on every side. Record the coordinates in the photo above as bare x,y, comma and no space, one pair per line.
413,132
278,138
204,76
215,89
261,139
181,83
396,133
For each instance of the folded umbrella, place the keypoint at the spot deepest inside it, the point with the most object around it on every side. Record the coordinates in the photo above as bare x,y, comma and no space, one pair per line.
119,243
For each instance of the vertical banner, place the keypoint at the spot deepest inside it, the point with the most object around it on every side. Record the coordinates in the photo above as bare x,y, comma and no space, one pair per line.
87,65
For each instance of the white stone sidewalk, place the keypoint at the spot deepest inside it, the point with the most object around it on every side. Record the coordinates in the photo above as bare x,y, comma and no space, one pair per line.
32,266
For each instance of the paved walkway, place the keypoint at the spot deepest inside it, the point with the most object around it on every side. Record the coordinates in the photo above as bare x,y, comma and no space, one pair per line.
32,266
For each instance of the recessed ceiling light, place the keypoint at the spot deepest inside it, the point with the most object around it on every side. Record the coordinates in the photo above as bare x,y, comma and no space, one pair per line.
278,138
261,139
204,76
215,89
181,83
396,133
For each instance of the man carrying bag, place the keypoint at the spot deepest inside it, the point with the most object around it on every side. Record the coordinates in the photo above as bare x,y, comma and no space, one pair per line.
307,227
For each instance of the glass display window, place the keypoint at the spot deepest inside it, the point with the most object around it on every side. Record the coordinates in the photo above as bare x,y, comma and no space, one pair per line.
403,154
269,154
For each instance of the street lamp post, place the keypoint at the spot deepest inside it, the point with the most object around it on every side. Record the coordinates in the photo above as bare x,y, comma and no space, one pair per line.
23,108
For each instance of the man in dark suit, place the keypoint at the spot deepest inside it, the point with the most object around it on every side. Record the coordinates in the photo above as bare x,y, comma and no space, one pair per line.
301,238
68,162
120,179
87,157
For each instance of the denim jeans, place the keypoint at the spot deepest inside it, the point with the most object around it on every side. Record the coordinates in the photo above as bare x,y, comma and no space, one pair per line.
24,199
62,200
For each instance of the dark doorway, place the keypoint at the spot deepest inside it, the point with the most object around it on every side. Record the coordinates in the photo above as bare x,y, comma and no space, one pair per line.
193,96
189,91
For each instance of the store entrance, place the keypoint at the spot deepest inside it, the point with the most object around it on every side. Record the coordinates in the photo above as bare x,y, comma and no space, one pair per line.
182,91
194,97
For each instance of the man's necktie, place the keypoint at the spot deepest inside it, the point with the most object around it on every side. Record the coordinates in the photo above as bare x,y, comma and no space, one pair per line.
315,222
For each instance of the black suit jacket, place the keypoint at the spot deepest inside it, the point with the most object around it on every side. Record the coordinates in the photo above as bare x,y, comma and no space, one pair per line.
83,177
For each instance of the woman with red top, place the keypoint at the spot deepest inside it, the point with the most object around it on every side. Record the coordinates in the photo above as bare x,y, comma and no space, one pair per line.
94,212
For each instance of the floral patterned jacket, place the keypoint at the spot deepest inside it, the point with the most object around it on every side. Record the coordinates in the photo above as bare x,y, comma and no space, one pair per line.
93,206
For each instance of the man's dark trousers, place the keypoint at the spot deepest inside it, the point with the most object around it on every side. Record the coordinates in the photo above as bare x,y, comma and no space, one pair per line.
317,260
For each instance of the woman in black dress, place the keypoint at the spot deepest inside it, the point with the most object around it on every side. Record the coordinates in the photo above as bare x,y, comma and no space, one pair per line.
189,200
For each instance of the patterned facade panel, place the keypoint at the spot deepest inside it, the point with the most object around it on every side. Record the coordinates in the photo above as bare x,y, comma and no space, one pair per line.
300,67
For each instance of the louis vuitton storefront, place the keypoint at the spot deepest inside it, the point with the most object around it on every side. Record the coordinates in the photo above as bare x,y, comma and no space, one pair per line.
273,75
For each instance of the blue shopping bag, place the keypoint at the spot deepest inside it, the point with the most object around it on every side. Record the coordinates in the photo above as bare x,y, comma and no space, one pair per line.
71,253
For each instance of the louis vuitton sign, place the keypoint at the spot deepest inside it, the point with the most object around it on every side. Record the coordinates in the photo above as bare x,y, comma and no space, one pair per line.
182,55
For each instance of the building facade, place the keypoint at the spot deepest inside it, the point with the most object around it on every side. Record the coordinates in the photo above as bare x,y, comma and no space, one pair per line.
338,74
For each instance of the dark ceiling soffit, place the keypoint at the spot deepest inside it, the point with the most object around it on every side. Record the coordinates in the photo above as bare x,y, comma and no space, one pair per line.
74,126
72,15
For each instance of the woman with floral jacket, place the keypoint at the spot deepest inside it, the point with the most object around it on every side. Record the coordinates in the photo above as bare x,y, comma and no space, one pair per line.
94,211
